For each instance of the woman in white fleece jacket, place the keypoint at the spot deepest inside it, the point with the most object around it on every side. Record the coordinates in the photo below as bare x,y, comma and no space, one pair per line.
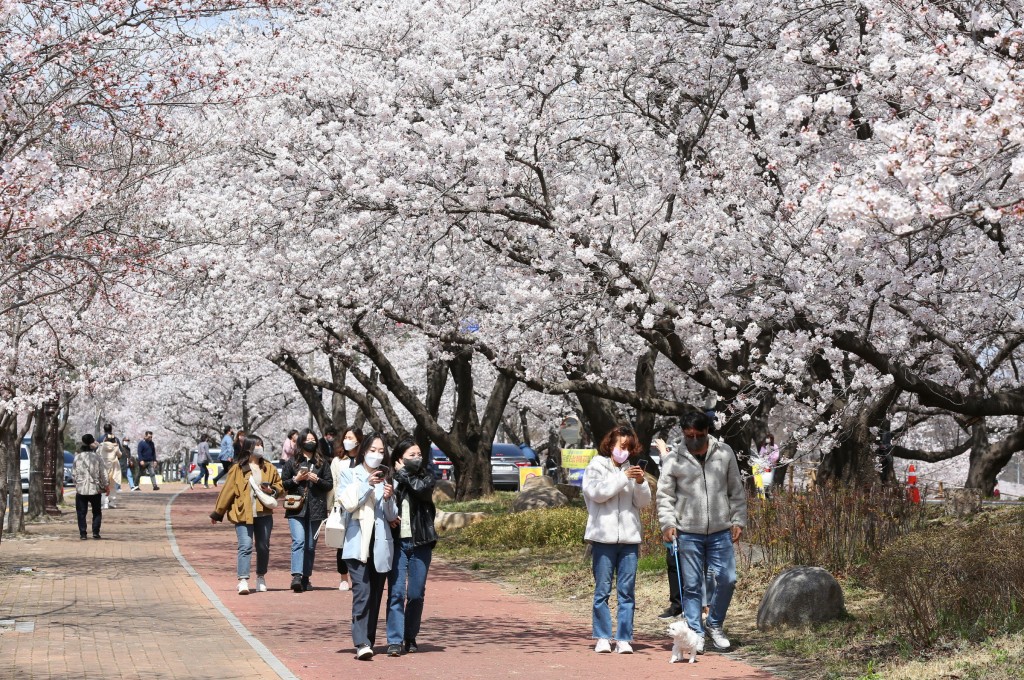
615,490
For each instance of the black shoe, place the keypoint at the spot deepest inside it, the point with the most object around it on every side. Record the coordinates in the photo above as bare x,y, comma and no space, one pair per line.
156,488
670,613
410,647
297,583
306,585
97,536
394,650
84,537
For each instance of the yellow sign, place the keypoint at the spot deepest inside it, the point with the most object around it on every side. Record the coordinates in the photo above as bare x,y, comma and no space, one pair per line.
527,472
575,461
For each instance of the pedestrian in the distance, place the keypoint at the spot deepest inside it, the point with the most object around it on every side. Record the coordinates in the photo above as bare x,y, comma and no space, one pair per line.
202,461
702,506
90,473
308,475
126,462
615,489
290,446
147,459
110,451
344,458
227,454
368,497
414,537
253,520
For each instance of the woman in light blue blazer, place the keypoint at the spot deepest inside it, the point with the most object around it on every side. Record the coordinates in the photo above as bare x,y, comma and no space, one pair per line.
367,496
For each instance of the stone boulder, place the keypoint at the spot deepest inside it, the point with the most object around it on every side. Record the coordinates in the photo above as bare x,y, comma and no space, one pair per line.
539,497
447,521
571,492
537,482
800,596
443,491
962,502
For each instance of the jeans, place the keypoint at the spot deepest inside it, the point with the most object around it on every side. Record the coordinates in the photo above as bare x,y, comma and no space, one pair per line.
205,475
82,504
225,465
619,558
303,546
260,531
126,473
715,553
407,584
148,467
367,592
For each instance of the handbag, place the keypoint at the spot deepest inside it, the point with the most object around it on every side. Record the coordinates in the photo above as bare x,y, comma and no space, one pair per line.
265,499
335,528
294,501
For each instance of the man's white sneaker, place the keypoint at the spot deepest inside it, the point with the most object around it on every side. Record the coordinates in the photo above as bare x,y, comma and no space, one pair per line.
603,646
623,647
718,639
700,646
344,586
243,587
364,653
261,585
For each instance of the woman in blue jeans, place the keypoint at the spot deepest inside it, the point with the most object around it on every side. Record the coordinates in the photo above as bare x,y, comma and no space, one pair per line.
253,522
307,474
615,490
414,538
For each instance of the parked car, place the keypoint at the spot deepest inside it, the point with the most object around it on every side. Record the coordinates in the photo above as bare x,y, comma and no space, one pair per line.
441,465
69,467
506,459
25,469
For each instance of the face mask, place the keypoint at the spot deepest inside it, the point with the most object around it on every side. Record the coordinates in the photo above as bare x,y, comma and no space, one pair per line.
349,444
413,465
373,460
257,452
696,444
309,446
620,456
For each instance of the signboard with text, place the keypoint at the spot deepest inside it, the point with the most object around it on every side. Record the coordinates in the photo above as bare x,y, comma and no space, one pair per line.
575,461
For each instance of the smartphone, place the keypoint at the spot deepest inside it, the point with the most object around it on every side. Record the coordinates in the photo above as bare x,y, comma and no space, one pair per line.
642,464
385,472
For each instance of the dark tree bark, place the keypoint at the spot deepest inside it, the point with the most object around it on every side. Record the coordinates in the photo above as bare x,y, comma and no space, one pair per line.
988,460
852,461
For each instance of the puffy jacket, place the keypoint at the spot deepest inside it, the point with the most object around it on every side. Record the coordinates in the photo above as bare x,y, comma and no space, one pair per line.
90,473
697,498
315,507
419,490
236,497
613,503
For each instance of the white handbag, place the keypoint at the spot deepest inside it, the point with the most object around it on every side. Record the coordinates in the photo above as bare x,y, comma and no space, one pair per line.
334,528
265,499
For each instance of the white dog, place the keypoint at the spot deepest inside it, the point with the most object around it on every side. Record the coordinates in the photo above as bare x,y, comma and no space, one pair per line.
684,641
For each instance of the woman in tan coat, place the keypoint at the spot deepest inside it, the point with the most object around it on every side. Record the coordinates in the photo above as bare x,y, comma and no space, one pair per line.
253,519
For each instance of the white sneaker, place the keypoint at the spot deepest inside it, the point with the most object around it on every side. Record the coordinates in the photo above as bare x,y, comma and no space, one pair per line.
700,646
603,646
243,587
344,586
105,506
623,647
261,585
364,653
718,639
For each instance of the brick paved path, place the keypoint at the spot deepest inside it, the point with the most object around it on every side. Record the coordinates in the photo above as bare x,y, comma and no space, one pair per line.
126,608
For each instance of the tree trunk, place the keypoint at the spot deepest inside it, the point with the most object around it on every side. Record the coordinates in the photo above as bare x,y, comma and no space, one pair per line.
988,460
37,462
852,461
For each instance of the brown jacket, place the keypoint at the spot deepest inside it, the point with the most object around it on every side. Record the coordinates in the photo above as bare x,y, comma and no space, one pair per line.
235,497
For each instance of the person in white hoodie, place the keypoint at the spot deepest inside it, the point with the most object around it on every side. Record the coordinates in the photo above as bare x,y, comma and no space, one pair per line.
615,489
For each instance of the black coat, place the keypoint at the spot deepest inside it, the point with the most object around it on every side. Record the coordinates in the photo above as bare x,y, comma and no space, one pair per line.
315,507
419,489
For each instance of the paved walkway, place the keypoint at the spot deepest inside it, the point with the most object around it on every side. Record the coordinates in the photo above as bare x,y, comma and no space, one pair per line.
127,607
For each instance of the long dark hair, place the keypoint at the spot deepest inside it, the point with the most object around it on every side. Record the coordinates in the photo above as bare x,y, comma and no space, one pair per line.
315,455
368,442
339,442
248,444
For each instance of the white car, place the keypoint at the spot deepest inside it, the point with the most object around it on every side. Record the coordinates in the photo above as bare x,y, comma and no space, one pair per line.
25,469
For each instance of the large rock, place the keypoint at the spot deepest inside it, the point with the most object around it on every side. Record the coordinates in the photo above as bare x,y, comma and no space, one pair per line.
800,596
443,491
962,502
446,521
537,481
539,497
570,491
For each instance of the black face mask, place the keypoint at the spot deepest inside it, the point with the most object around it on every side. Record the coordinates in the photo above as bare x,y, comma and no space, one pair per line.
309,446
413,465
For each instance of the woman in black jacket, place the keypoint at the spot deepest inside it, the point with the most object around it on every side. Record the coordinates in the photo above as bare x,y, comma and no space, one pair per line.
307,474
415,538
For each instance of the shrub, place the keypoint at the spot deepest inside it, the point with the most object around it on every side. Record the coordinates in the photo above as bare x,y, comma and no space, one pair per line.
965,581
556,527
836,528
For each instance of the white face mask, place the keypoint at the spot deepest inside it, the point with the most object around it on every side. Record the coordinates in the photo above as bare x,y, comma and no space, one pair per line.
349,444
373,460
257,452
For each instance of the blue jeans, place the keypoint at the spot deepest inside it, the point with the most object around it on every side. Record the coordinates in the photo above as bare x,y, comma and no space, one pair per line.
715,553
260,530
303,546
407,584
620,558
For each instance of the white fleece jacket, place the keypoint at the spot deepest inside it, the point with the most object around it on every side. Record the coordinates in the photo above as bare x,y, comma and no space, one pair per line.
613,503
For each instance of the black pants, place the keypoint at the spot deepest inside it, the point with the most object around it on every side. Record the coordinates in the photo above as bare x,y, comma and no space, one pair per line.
205,476
82,504
225,466
342,567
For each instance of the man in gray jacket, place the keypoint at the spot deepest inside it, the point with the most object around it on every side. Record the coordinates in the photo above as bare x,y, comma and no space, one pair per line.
702,508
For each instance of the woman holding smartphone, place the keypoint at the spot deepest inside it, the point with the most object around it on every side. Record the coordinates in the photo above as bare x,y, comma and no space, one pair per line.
368,498
615,489
307,474
253,521
344,458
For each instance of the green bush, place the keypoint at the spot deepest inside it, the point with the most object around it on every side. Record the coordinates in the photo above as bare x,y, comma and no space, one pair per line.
557,527
961,581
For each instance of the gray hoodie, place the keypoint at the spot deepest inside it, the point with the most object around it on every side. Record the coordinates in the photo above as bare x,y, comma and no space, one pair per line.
701,499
